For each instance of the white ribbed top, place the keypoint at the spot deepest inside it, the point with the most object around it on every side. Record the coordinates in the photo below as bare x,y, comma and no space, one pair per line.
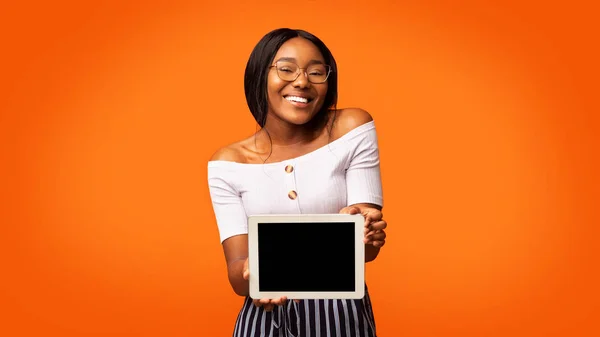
342,173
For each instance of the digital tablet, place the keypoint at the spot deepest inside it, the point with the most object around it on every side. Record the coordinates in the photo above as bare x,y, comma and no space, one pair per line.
306,256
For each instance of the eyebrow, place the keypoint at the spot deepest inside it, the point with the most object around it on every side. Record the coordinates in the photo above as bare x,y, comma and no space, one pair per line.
291,59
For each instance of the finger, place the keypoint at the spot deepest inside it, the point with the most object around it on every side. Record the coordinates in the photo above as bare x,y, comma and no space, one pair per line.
372,214
378,236
369,234
368,241
350,210
368,231
379,244
371,218
264,301
378,225
246,271
257,303
374,237
279,301
376,243
297,301
269,307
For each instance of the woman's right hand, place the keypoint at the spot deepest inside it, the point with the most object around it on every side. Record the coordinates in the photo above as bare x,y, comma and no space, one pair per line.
266,303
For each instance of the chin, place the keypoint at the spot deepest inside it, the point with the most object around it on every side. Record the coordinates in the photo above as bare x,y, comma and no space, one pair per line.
300,117
298,120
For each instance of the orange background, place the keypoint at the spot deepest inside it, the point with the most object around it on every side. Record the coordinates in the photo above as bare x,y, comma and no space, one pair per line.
486,115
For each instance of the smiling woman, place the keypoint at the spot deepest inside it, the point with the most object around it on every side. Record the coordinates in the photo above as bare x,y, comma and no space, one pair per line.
308,157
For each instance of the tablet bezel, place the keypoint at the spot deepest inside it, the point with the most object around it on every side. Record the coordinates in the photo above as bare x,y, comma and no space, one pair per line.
359,257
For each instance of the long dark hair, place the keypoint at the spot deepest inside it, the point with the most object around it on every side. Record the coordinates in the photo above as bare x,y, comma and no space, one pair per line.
255,77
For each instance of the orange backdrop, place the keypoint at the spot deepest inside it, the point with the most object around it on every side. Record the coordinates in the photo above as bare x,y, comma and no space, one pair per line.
486,115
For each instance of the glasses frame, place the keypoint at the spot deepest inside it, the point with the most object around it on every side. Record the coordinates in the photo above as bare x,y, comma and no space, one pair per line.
329,71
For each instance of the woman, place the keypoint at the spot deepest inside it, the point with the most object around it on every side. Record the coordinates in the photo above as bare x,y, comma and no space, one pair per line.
308,157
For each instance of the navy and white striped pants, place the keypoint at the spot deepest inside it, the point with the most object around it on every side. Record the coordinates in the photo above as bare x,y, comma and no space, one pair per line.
309,318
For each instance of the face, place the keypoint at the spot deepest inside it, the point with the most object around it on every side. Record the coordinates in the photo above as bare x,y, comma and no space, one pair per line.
298,100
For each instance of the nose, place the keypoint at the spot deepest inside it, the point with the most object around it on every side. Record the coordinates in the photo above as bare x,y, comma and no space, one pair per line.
302,80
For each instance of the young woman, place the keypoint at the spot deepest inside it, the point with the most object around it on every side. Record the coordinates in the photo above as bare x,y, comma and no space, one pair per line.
307,157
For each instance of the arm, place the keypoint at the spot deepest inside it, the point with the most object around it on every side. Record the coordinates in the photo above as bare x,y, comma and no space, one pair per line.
231,219
236,257
230,216
363,179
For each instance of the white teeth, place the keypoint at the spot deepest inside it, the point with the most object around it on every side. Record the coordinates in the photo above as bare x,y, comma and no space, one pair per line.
297,99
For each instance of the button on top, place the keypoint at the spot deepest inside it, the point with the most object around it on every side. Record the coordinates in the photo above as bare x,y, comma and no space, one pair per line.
289,168
292,195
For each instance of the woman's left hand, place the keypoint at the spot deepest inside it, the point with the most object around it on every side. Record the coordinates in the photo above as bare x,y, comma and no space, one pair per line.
374,224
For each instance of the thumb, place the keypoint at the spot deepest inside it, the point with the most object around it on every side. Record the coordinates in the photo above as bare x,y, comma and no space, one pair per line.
246,272
350,210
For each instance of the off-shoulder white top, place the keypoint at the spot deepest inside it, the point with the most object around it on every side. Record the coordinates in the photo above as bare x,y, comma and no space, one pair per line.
342,173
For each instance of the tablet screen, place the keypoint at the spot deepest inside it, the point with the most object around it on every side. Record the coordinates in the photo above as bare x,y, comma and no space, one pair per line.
306,256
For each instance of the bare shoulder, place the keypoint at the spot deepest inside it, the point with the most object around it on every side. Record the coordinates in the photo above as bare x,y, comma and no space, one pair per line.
239,152
231,152
348,119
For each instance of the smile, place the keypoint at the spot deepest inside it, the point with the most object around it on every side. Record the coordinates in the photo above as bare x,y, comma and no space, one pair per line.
298,99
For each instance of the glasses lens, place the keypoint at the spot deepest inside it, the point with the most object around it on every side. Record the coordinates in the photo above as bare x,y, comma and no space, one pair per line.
318,73
289,71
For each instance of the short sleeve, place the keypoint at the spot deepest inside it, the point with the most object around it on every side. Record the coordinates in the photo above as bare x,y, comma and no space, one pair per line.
363,176
227,203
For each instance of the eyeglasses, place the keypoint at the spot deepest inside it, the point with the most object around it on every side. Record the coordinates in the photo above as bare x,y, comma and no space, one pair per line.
289,71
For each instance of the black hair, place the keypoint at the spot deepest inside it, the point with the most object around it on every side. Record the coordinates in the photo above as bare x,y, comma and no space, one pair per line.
257,68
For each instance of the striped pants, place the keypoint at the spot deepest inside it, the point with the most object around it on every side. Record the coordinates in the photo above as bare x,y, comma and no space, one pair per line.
309,318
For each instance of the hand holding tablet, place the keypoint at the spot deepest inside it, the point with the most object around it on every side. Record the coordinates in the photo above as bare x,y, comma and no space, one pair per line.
374,224
267,303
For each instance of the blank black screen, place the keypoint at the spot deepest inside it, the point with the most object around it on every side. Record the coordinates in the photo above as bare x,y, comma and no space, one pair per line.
306,256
